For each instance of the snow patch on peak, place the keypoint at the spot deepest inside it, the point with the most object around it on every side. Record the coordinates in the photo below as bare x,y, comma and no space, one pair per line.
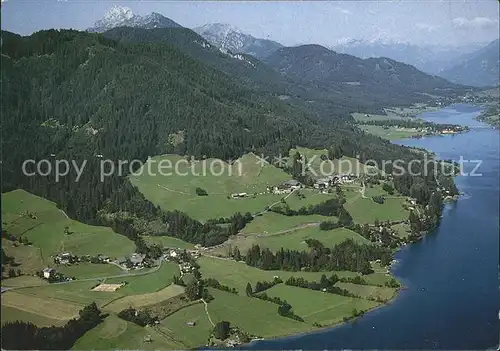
219,29
118,14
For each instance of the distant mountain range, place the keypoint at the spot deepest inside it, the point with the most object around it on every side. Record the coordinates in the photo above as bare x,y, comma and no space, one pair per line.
481,68
232,39
429,59
372,79
119,16
307,73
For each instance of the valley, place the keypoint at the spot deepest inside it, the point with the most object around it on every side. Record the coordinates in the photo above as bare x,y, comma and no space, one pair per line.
233,190
146,289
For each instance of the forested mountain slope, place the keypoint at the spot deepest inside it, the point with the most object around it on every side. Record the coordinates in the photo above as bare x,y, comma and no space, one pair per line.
79,96
232,39
481,68
379,80
331,87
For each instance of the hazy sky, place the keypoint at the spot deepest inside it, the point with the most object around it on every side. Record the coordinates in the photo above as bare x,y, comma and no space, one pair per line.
419,22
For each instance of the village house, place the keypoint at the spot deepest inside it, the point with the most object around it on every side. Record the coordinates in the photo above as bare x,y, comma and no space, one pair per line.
137,259
323,183
347,178
47,272
63,258
292,184
285,187
238,195
194,253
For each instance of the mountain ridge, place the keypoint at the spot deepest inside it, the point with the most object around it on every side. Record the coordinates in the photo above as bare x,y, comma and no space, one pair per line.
228,37
382,79
120,16
480,68
431,59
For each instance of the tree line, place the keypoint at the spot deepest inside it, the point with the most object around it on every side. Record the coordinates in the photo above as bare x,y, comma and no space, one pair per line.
27,336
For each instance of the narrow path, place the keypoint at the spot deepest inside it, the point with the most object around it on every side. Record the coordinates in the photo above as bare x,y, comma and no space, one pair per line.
273,204
206,311
173,191
286,231
362,191
65,215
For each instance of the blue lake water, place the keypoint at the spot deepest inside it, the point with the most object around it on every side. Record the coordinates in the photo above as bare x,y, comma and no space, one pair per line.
453,296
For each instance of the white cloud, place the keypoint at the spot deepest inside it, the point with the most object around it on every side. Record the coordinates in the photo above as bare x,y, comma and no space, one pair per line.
344,11
474,23
4,0
426,27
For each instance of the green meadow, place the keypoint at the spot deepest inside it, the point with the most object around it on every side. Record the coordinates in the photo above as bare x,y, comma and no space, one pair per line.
319,307
270,222
43,224
320,169
367,211
168,241
238,274
116,333
218,178
390,133
294,239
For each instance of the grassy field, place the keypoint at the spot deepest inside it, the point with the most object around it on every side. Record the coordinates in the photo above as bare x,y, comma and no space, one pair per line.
375,190
237,275
39,220
366,211
293,239
168,241
402,230
361,117
252,315
322,169
179,191
141,300
296,240
311,197
12,314
116,333
175,326
90,270
368,291
75,293
24,280
148,283
390,133
63,301
319,307
39,306
394,113
271,222
28,257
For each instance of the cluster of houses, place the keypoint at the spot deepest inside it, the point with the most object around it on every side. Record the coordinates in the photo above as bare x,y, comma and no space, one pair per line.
177,255
285,187
67,258
327,182
135,261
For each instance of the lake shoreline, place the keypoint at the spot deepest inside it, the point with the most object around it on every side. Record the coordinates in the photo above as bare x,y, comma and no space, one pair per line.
449,201
331,326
